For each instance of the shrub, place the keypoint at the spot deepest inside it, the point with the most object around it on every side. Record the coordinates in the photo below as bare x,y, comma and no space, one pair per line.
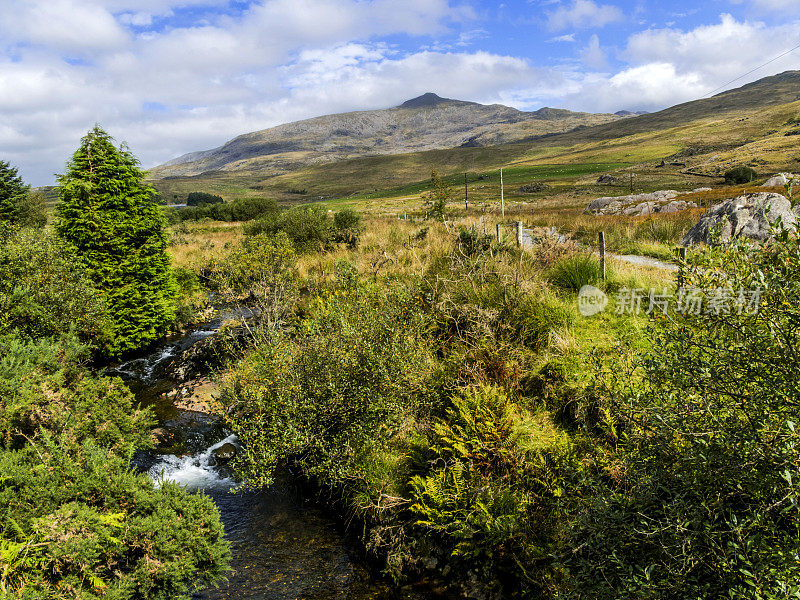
709,497
310,228
437,197
79,519
491,493
240,209
46,292
202,198
739,175
471,242
574,272
334,391
347,224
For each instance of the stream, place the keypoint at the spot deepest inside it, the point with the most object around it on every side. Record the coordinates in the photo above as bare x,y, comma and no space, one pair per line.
284,546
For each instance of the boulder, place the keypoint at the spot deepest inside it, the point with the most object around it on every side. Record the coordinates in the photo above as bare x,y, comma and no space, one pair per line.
751,215
701,189
606,179
781,179
532,188
676,205
635,204
225,452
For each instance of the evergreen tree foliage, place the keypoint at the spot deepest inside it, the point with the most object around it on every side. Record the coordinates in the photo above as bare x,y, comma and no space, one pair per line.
110,216
12,191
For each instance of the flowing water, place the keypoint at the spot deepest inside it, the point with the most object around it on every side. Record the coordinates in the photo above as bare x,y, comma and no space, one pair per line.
284,546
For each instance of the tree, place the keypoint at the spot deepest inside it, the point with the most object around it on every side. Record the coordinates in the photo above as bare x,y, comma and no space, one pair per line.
12,192
439,196
110,216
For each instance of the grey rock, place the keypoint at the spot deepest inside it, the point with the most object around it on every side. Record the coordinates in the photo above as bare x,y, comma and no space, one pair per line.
781,179
752,216
225,452
632,204
532,188
606,179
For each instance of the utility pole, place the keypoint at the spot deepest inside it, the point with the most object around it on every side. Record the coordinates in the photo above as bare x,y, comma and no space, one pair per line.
466,197
502,198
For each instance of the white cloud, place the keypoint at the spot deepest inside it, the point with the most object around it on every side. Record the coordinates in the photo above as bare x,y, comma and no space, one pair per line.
593,56
778,5
568,37
582,14
670,66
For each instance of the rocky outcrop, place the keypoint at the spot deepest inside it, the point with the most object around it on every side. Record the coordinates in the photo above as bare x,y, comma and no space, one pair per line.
606,179
782,179
532,188
753,216
639,204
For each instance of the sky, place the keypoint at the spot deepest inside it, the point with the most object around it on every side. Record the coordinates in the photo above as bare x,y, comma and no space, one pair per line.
174,76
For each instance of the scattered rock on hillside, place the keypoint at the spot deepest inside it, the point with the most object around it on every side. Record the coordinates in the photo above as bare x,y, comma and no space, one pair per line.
781,179
702,189
532,188
606,179
750,215
638,204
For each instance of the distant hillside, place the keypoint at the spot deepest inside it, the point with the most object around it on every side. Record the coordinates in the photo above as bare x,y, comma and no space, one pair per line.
428,122
770,91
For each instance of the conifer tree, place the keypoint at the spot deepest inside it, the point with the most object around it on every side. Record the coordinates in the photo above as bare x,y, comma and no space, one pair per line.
12,191
110,216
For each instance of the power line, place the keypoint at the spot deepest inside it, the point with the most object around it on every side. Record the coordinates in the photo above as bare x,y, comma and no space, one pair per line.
751,71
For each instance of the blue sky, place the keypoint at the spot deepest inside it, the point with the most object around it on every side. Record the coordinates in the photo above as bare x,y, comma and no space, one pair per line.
174,76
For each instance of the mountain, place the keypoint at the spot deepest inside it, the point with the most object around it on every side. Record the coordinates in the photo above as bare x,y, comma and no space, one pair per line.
769,91
427,122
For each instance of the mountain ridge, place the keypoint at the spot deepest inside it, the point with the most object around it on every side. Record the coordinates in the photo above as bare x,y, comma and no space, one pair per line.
427,122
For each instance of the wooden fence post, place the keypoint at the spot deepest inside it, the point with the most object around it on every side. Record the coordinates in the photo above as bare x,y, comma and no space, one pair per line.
601,241
502,197
498,233
681,250
466,197
519,234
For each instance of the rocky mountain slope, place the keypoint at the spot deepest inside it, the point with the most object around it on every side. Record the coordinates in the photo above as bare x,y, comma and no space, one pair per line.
428,122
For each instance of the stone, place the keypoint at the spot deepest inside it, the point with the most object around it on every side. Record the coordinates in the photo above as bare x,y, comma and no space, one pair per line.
637,205
225,452
159,435
781,179
751,215
606,179
532,188
701,189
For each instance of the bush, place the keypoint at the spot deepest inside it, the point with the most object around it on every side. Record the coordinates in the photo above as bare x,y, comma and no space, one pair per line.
202,198
574,272
310,227
708,419
492,495
348,228
240,209
332,393
46,292
79,519
739,175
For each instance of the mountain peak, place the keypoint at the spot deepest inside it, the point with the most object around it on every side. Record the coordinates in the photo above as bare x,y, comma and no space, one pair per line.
426,100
